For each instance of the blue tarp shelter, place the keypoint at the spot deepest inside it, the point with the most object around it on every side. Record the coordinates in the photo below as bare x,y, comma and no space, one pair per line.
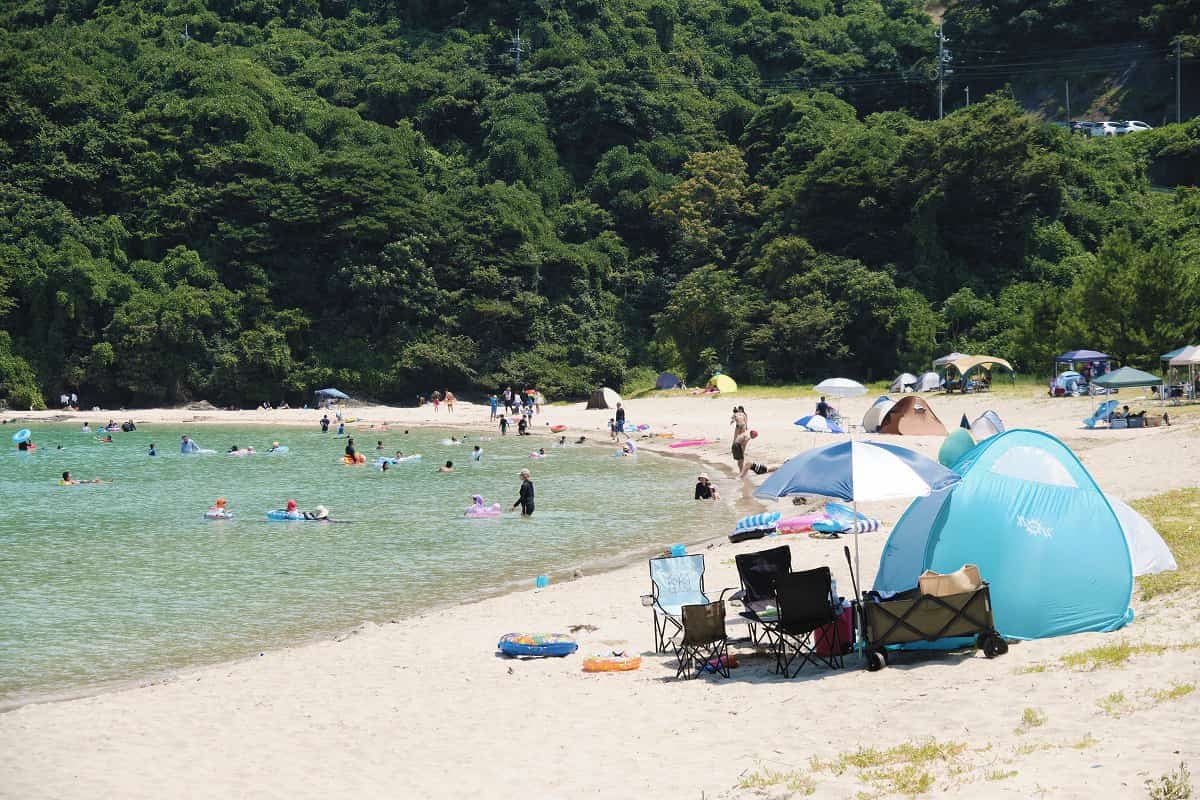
668,380
1033,520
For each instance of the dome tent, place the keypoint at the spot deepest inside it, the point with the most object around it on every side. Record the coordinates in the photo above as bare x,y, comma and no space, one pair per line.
1033,520
986,425
668,380
928,382
912,416
603,397
905,382
722,383
875,413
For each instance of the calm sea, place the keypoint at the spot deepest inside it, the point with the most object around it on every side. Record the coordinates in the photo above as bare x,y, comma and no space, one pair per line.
126,580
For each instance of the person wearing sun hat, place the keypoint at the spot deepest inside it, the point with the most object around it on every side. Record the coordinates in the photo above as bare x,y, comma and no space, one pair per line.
705,490
220,505
525,500
321,512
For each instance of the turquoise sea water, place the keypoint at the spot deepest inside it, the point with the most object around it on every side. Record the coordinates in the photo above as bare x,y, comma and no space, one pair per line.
125,580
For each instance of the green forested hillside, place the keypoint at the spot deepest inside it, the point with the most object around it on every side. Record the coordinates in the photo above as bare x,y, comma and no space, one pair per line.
241,199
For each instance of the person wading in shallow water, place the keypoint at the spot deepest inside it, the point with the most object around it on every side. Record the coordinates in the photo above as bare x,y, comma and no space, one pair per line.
525,500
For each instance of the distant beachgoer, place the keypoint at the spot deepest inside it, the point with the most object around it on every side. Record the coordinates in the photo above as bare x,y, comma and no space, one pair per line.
86,428
494,403
705,489
477,453
153,450
64,400
436,397
74,400
522,427
274,448
67,480
739,453
508,396
525,500
822,408
620,429
341,428
504,426
399,454
106,440
447,467
581,440
187,445
612,429
379,444
221,505
449,402
562,442
383,466
739,419
351,453
324,423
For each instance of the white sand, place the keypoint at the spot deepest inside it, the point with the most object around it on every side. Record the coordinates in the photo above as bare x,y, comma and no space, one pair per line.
424,707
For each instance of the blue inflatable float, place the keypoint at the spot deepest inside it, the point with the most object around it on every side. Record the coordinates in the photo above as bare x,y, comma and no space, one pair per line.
537,644
755,526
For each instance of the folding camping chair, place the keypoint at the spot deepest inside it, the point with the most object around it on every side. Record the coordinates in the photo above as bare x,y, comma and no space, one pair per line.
758,572
806,603
704,644
675,581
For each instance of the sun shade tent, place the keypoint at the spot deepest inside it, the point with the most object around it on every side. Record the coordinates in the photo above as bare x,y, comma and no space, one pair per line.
1080,357
815,423
965,366
1127,378
668,380
1033,520
1147,551
1188,356
336,394
987,425
723,384
912,416
603,398
875,414
905,382
928,382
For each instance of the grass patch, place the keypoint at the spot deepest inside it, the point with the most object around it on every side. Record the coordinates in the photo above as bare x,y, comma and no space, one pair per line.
999,775
766,778
1115,704
1031,718
1174,692
904,769
1175,785
1174,515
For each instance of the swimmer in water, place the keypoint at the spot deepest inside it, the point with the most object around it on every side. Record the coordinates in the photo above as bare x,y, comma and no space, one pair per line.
447,467
379,444
383,466
477,453
67,480
153,450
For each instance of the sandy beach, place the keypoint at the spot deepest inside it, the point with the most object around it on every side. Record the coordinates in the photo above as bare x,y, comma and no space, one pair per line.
424,707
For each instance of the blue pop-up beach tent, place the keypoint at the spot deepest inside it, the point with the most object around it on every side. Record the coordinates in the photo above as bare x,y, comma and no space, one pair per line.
1033,520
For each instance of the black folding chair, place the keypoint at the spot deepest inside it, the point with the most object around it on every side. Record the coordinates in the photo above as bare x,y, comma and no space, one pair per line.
758,572
805,602
704,643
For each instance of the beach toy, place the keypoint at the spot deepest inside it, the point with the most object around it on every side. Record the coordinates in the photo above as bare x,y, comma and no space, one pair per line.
22,435
537,644
280,515
616,661
402,460
557,428
665,435
358,460
799,524
755,526
481,511
277,450
688,443
840,519
678,550
542,582
218,513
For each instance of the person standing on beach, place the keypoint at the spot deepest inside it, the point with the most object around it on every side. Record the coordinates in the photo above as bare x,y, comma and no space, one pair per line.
449,402
74,401
525,500
494,403
739,419
504,426
507,395
620,424
436,397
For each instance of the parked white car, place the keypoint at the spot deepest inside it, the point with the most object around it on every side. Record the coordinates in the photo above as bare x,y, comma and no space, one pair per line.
1132,126
1106,128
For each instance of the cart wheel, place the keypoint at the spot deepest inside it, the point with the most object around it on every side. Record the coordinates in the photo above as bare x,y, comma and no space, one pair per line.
876,660
995,646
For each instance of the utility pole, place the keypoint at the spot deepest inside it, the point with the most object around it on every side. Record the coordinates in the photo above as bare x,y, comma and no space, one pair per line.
941,69
516,49
1178,85
1068,102
968,91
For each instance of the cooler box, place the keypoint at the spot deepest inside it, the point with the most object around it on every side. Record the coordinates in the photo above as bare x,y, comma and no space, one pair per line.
837,637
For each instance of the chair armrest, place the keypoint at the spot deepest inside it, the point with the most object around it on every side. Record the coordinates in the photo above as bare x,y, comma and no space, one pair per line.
737,596
730,589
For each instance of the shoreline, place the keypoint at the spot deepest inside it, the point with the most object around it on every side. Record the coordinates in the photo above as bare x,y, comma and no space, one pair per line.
601,566
257,721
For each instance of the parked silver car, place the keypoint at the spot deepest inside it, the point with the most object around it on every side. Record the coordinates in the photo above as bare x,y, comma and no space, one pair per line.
1132,126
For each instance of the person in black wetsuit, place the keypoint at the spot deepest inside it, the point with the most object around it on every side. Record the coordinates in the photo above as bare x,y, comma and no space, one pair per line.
325,423
351,453
525,501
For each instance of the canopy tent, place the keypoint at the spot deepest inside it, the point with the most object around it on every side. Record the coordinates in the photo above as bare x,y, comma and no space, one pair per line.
905,382
912,416
928,382
1080,356
722,383
336,394
1033,520
875,413
964,366
1127,378
949,358
1175,352
668,380
1188,356
603,398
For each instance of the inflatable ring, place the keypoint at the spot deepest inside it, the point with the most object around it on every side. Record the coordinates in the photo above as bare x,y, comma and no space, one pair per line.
616,661
557,428
537,644
22,435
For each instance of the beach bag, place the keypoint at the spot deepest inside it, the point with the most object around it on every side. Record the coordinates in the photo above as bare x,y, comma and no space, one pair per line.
964,579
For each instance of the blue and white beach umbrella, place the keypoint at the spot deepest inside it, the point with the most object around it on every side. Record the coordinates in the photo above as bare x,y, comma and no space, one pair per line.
818,424
856,471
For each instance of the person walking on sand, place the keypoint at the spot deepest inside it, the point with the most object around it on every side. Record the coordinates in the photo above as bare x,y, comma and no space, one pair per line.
739,420
449,402
525,500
